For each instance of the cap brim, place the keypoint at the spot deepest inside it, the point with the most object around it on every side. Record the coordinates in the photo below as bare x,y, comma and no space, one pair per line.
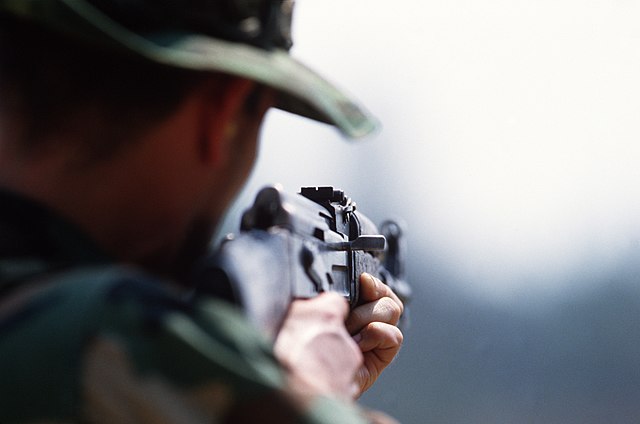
301,90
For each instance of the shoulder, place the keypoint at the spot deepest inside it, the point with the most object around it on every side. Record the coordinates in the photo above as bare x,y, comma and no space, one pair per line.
78,327
83,300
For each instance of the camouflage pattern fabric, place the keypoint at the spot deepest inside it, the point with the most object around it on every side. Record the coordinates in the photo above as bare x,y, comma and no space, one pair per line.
86,340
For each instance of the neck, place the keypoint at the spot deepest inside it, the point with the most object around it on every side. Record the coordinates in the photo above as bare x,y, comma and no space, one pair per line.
130,209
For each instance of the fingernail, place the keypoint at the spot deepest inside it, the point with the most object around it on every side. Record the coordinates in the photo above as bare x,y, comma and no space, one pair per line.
357,338
376,283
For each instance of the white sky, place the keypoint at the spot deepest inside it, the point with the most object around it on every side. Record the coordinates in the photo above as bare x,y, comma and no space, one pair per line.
511,131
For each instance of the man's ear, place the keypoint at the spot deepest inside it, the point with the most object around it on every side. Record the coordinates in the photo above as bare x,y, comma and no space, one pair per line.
222,107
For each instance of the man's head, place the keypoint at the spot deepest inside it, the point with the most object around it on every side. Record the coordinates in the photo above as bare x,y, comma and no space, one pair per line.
156,104
245,38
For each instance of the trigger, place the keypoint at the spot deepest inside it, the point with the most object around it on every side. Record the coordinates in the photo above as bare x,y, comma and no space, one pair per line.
307,257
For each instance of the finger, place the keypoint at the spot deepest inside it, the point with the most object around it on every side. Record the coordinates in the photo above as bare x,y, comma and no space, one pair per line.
383,339
377,417
330,304
383,310
371,288
380,343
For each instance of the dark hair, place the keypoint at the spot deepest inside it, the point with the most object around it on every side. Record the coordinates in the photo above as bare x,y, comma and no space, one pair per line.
50,83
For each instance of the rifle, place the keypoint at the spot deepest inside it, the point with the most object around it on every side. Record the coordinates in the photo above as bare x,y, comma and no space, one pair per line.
298,246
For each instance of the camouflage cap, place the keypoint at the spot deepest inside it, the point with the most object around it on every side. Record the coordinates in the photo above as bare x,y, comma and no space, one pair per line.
247,38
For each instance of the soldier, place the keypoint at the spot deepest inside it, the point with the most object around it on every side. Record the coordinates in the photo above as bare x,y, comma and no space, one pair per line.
126,129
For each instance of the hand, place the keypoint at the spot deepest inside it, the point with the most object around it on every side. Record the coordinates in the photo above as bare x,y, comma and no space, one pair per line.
377,417
313,345
373,326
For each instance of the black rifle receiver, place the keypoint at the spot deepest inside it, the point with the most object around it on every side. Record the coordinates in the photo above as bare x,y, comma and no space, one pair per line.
297,246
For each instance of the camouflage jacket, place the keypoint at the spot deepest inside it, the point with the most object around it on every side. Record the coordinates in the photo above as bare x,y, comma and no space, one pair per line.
84,339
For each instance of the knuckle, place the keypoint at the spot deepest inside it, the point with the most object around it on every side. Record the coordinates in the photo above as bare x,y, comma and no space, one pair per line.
398,336
396,300
390,333
391,309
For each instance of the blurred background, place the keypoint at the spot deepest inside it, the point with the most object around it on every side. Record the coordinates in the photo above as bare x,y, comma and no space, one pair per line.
510,145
